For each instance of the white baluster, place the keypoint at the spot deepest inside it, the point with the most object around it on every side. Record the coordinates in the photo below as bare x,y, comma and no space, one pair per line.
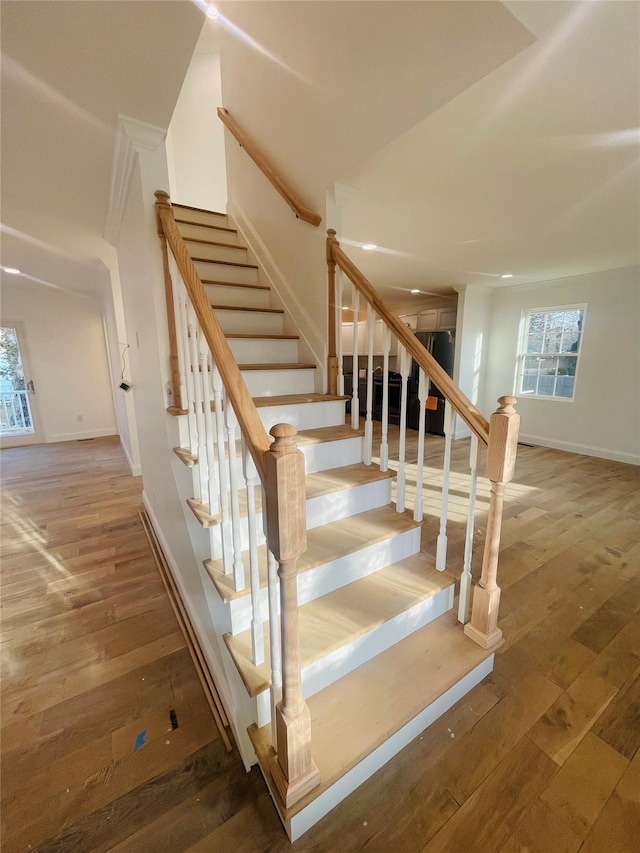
203,481
384,442
223,479
464,602
234,493
441,547
178,290
189,380
339,347
355,403
423,385
257,633
405,366
368,424
207,399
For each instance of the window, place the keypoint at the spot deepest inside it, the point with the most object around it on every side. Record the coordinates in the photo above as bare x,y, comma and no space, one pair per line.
549,352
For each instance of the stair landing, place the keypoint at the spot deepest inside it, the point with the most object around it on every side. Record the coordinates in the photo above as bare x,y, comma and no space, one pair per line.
365,718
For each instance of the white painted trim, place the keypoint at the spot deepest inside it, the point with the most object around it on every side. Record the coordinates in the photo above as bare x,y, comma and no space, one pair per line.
322,805
218,676
132,137
136,470
293,306
583,449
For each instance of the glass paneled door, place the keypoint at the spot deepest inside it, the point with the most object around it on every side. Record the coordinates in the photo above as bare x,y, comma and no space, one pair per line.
19,417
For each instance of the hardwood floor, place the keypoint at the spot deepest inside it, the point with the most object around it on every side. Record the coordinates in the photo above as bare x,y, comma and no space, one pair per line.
541,757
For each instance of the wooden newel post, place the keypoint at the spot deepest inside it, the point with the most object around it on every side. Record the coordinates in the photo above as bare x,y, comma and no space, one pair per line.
332,358
501,459
162,200
293,771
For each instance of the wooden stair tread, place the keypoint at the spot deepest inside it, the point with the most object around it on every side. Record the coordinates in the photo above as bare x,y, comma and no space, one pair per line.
324,544
201,512
358,713
224,263
341,616
295,365
244,308
206,224
296,399
346,477
218,283
247,337
332,433
186,456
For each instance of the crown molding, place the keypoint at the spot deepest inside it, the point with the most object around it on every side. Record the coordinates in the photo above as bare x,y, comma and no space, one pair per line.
132,138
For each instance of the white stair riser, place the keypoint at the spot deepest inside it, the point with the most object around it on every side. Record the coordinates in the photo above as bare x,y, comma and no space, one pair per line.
328,800
321,510
272,351
238,254
304,415
323,579
250,322
226,272
265,383
247,297
203,217
332,454
338,663
202,232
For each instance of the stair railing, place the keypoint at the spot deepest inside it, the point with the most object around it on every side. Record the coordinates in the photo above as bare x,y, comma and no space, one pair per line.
232,456
499,435
272,175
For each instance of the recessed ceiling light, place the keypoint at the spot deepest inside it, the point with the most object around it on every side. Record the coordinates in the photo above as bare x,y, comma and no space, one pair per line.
369,247
415,291
507,275
212,12
11,270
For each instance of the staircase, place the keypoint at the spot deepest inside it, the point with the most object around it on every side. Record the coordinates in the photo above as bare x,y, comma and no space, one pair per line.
381,651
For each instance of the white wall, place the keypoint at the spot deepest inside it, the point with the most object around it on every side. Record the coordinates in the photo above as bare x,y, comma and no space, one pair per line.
66,342
604,417
195,142
472,337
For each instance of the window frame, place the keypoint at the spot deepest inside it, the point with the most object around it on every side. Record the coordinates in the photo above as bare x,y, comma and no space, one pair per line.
522,352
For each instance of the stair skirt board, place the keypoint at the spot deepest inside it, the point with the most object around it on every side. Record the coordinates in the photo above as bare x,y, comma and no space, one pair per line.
320,673
332,575
307,817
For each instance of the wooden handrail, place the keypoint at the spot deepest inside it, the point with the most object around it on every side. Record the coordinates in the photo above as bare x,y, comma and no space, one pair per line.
476,422
268,170
258,442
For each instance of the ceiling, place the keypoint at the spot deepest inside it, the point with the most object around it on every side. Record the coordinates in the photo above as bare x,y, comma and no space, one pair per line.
523,160
533,170
68,70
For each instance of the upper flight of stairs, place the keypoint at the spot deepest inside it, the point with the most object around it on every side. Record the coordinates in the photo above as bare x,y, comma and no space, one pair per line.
382,652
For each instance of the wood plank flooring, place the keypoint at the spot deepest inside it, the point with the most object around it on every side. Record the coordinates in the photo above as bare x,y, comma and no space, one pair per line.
541,757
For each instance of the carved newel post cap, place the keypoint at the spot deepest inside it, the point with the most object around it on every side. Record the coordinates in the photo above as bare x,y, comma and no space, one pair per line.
331,233
507,405
283,434
162,197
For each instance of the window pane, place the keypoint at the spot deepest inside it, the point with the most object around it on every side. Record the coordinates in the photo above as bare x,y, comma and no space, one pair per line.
572,330
536,324
564,386
529,383
534,344
553,334
546,385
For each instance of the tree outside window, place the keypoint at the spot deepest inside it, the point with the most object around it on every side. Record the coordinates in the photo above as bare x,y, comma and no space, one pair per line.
549,352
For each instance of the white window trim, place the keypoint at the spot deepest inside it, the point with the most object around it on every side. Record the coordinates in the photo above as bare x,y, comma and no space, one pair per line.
522,342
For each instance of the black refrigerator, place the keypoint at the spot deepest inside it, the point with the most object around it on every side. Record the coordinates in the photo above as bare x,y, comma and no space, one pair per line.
442,347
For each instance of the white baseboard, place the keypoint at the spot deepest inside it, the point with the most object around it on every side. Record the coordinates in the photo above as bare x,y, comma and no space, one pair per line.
583,449
202,635
136,470
82,434
279,283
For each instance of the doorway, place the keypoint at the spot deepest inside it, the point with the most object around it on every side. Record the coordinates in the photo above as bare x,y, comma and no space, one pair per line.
19,413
